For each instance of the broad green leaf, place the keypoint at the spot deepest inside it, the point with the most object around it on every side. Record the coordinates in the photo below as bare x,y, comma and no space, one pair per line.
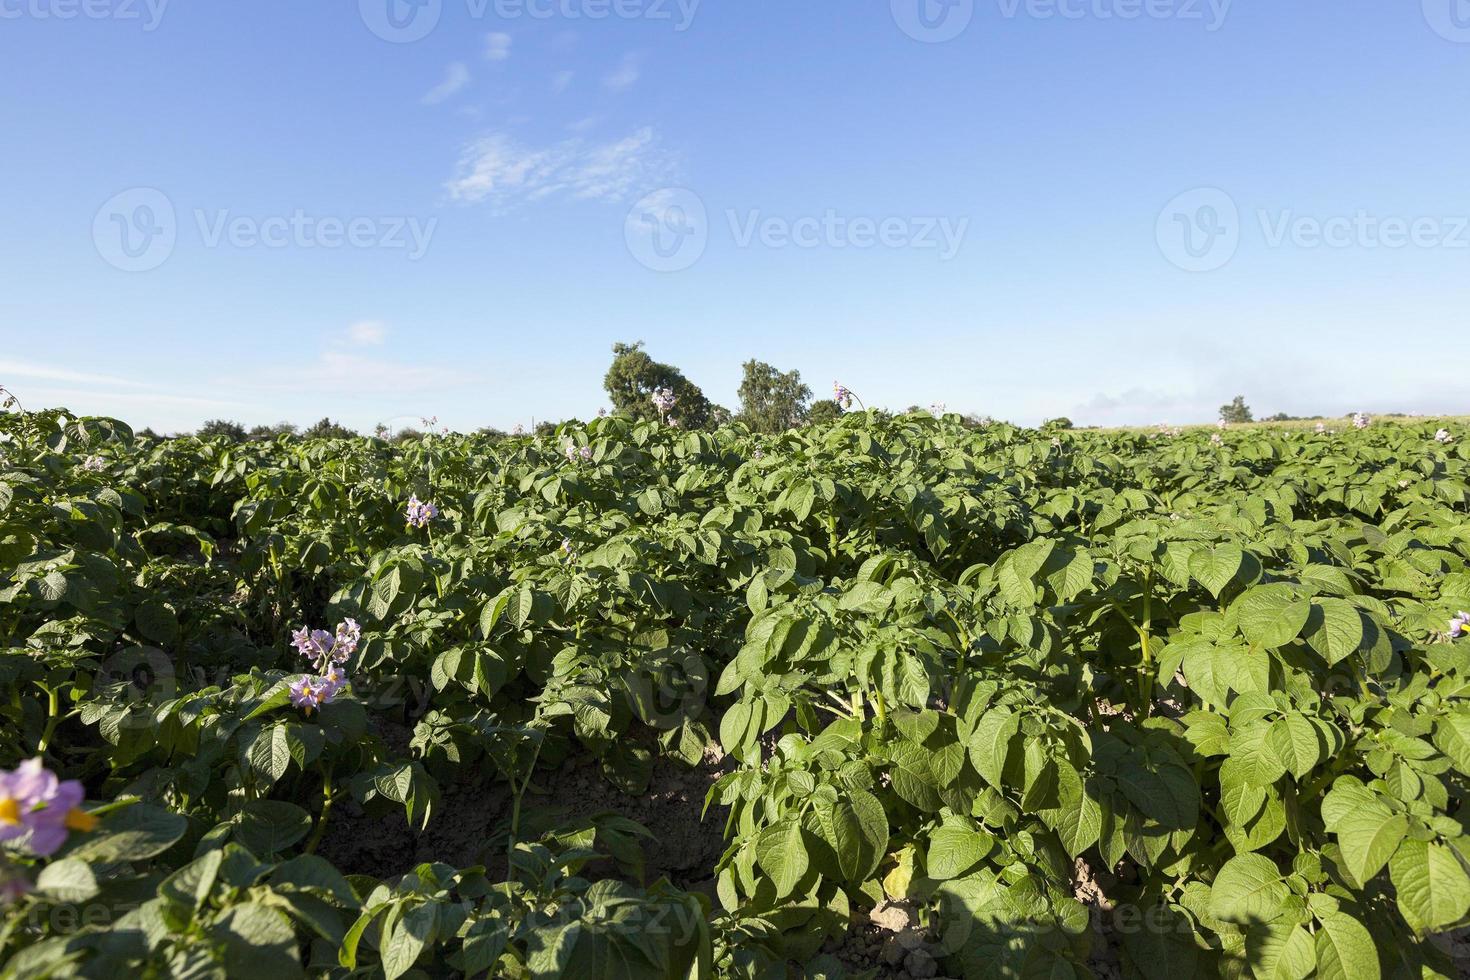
1432,887
1249,889
954,850
1345,950
781,853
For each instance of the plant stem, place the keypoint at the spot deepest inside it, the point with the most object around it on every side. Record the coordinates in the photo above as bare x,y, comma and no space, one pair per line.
53,717
321,820
515,810
1145,677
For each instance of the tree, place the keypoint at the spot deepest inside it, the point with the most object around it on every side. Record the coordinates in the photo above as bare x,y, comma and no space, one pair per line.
269,433
327,429
222,429
823,412
770,401
634,377
1236,411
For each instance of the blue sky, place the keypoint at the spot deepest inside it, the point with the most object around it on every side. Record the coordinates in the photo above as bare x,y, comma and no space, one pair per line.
380,211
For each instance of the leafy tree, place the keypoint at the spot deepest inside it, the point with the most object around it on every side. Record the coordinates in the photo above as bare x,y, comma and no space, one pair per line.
1059,424
771,401
634,377
268,433
823,412
1236,411
222,429
327,429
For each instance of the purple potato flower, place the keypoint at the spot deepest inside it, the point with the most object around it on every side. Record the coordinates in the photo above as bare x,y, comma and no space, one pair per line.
39,810
1460,626
420,513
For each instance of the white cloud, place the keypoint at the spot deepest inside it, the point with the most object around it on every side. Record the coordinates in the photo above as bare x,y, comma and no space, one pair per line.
46,372
340,371
368,333
497,46
501,171
624,76
585,124
456,78
562,81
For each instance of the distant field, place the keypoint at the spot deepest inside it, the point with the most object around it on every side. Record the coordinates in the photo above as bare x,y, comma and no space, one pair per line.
1449,421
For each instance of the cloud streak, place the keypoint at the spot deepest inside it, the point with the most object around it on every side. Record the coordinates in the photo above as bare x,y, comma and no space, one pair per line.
501,171
455,79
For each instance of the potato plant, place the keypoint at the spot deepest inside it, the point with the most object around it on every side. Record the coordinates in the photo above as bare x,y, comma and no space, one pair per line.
980,673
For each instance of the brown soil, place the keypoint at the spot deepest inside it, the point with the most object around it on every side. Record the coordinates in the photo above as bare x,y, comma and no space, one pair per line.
468,825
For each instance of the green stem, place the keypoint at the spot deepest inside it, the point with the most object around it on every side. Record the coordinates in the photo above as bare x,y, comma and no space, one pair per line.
53,717
1145,677
515,811
321,820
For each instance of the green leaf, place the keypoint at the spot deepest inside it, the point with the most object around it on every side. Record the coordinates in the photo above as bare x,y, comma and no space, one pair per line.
1368,838
1345,950
955,850
1215,568
1249,889
1078,821
1433,889
1295,743
781,853
1271,616
856,827
1336,629
134,833
271,826
1281,951
990,743
69,880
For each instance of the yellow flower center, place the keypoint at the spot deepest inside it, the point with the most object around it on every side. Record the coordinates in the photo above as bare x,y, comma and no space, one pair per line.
80,820
10,811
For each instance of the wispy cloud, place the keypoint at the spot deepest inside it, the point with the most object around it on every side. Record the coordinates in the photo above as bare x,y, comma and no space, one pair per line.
625,76
456,78
343,371
47,372
562,81
368,333
502,171
497,46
